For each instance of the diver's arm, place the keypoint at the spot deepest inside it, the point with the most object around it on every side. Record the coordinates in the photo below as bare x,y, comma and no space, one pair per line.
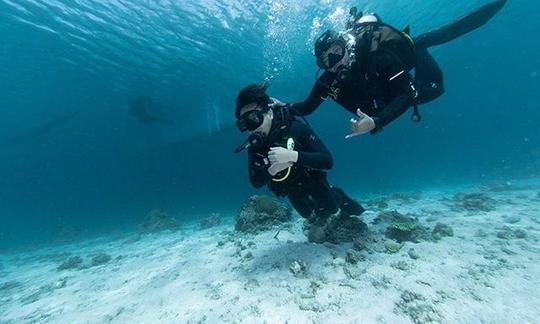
314,153
315,98
258,176
399,80
391,112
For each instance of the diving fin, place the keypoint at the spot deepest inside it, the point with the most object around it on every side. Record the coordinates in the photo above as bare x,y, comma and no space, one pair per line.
407,30
466,24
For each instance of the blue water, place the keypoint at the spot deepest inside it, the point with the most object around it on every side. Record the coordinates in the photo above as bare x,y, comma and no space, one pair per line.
72,155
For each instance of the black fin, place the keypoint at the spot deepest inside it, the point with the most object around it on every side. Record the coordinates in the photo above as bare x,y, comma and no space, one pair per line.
407,30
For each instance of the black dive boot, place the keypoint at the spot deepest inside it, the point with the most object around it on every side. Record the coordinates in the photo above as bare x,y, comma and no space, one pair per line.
348,205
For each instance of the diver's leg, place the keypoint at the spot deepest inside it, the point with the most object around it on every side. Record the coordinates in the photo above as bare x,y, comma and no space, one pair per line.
301,204
321,207
462,26
429,80
347,205
324,198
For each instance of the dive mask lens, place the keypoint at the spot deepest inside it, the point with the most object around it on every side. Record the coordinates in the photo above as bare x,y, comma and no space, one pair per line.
329,59
334,59
250,121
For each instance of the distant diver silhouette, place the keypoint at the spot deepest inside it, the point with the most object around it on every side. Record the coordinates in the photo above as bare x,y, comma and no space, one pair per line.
138,108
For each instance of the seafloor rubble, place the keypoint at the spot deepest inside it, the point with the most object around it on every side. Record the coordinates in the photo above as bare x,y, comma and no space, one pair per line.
411,258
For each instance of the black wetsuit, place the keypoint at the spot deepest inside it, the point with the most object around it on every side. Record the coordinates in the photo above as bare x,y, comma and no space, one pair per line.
387,94
306,187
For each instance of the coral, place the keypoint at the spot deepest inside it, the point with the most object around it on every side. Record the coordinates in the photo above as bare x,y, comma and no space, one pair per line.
265,205
71,263
417,309
248,256
345,229
400,265
442,230
315,234
473,202
393,247
403,231
298,268
209,221
389,217
354,272
353,256
413,254
251,284
158,221
359,244
507,233
261,213
401,227
100,259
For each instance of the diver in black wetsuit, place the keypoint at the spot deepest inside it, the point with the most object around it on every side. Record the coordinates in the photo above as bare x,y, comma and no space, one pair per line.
367,68
287,156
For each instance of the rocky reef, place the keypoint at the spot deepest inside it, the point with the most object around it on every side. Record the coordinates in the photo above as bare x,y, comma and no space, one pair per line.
473,202
77,262
401,227
345,229
261,213
158,221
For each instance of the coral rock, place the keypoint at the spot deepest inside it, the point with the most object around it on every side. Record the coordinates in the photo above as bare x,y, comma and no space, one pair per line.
442,230
353,256
261,213
298,268
345,229
473,202
100,259
158,221
71,263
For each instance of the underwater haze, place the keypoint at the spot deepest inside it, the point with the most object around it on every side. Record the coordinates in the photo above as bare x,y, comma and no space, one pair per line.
75,152
121,200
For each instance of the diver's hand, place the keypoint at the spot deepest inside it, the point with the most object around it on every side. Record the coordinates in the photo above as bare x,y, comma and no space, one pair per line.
364,124
278,167
279,155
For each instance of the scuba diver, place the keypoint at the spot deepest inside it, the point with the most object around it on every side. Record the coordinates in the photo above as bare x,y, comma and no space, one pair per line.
367,68
143,109
287,156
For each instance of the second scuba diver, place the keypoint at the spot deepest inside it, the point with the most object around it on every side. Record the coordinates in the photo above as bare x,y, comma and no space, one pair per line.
367,68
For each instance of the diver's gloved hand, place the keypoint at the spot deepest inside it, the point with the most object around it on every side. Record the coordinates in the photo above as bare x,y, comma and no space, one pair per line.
364,124
278,167
280,155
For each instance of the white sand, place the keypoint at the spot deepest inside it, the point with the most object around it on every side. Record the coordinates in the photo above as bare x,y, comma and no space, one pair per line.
187,277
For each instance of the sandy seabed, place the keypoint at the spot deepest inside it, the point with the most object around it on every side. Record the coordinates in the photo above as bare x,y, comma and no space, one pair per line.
486,272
